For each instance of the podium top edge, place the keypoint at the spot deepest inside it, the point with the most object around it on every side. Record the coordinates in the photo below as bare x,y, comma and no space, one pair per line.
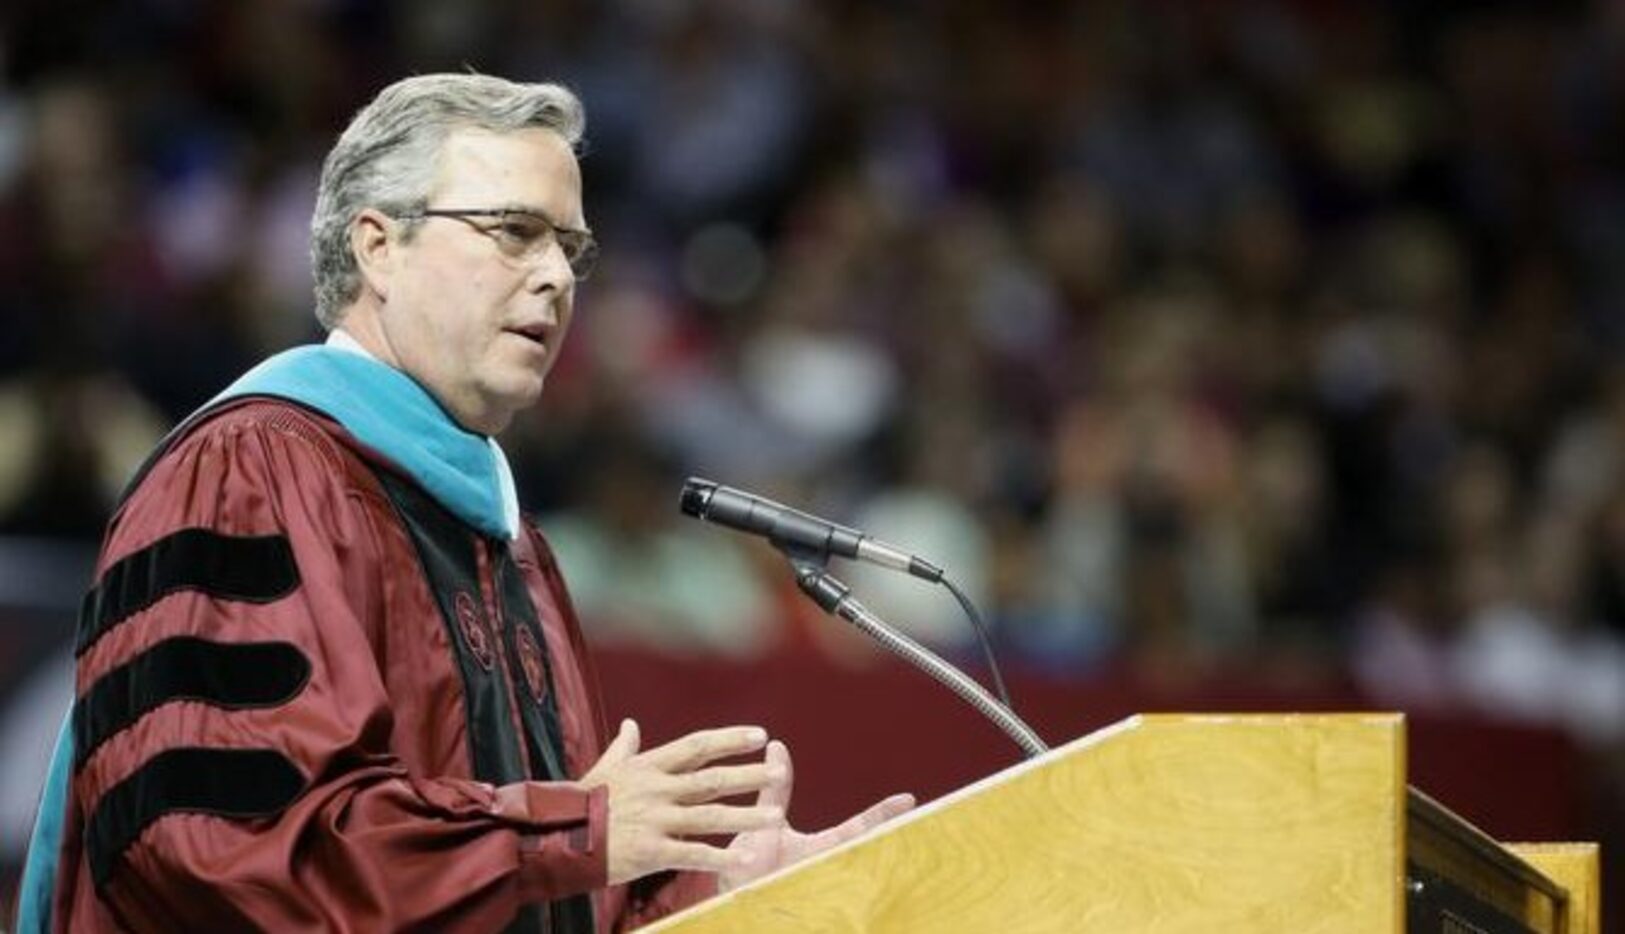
1373,717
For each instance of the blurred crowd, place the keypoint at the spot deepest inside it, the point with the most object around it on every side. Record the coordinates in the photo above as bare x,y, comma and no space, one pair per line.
1282,337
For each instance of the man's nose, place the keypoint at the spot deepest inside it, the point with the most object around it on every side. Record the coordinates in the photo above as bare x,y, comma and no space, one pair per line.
550,269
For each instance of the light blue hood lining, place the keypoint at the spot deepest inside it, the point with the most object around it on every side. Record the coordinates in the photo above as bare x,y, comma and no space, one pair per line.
389,412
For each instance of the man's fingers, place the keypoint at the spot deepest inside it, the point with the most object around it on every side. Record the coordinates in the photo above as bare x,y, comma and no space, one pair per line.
696,749
894,806
722,818
623,747
777,792
688,854
625,744
722,781
862,823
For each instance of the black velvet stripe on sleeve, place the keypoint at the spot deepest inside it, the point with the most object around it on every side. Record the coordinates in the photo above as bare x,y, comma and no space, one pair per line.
230,675
236,784
251,569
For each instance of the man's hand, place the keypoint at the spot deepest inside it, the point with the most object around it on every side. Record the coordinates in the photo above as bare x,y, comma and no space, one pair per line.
659,797
762,851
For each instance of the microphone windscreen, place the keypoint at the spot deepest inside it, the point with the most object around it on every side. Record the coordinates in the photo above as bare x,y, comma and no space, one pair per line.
696,494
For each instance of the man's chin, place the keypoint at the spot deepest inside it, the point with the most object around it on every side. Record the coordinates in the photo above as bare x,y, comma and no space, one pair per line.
521,394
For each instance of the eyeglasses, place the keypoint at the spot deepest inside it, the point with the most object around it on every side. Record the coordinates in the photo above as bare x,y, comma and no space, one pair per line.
524,236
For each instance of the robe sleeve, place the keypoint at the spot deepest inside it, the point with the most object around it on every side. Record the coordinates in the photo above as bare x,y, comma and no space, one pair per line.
232,728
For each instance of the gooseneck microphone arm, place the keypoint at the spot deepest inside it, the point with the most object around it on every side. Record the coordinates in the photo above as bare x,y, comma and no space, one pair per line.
836,599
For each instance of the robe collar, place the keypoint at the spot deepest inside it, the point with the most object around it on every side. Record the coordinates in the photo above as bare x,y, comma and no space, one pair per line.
387,410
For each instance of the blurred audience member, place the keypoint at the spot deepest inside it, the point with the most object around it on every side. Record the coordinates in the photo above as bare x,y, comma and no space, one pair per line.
640,576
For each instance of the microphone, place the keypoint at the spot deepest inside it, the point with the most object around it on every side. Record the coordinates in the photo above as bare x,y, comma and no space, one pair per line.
795,530
808,541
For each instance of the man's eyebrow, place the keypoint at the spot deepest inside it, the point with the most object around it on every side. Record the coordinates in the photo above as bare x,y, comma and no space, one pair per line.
518,208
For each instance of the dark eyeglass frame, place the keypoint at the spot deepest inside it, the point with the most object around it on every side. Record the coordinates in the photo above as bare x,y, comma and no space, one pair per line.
580,246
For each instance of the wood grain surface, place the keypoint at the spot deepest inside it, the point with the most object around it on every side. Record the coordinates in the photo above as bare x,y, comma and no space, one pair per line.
1576,867
1162,823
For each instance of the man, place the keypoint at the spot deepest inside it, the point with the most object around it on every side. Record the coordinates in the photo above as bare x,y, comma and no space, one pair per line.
327,678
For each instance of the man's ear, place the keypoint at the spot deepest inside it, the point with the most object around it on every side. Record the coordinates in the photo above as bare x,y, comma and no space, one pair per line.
375,251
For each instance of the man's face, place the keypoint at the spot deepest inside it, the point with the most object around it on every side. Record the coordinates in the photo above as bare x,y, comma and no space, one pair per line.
478,324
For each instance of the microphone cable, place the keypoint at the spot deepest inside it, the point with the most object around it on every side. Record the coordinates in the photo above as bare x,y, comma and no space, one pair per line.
981,637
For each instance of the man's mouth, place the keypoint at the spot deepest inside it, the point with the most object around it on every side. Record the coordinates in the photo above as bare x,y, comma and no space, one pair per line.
536,333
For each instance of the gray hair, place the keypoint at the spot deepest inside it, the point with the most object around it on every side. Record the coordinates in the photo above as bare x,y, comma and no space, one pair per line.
387,157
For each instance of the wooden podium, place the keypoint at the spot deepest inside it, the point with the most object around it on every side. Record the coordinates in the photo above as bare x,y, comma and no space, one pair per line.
1171,823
